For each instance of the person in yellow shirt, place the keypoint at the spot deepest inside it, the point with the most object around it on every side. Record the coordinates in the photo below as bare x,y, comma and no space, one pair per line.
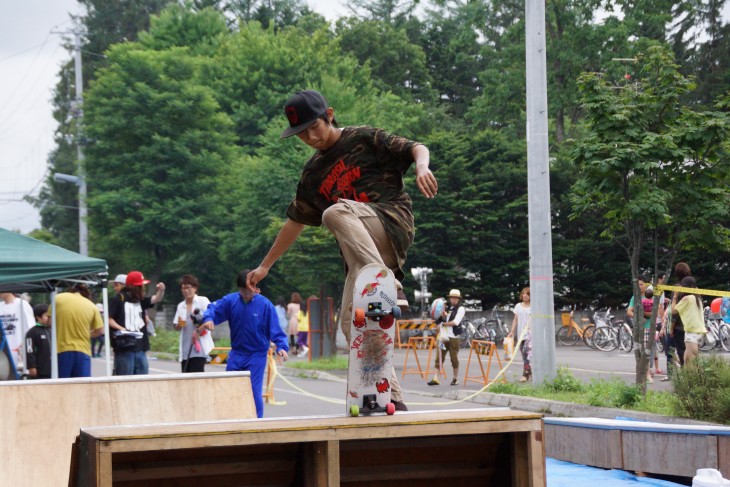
303,335
77,320
689,309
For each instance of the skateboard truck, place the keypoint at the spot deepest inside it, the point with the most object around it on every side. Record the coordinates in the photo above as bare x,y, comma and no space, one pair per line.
370,405
376,313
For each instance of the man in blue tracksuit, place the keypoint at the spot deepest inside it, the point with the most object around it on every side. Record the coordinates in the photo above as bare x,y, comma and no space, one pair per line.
254,324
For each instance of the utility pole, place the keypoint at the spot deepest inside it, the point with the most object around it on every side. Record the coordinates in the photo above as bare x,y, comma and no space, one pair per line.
79,114
538,196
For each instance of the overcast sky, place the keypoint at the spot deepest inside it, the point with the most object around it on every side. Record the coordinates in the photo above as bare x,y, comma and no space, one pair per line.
30,58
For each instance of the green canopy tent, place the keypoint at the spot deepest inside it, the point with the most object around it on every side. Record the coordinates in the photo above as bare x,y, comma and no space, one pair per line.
30,265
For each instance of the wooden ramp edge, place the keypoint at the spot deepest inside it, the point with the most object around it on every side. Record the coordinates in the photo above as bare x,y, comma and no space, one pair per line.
468,447
42,418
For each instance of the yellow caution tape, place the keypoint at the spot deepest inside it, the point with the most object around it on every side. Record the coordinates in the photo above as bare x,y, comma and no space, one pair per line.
270,386
445,403
693,290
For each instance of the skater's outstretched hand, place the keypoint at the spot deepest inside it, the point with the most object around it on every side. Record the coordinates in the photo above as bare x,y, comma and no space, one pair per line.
254,277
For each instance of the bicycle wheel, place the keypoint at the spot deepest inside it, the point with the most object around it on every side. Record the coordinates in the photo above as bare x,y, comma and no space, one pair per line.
660,346
723,332
604,339
588,332
625,337
704,344
568,336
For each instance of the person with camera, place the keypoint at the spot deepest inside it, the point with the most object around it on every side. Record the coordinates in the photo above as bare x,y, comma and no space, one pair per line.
254,325
195,342
128,325
450,322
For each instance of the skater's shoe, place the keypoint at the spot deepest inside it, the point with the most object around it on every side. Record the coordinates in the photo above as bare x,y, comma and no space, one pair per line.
399,405
434,382
304,351
524,378
454,382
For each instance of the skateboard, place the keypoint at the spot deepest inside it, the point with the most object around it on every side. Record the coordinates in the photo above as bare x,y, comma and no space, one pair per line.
374,312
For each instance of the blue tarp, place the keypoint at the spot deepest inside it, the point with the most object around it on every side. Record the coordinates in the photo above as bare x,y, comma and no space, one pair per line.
566,474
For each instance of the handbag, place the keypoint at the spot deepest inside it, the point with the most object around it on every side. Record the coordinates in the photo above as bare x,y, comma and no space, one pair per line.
124,342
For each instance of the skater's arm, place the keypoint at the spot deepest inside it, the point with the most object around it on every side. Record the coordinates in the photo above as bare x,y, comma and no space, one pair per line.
286,237
425,180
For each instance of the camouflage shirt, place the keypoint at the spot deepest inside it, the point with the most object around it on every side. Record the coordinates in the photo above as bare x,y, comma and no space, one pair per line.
366,164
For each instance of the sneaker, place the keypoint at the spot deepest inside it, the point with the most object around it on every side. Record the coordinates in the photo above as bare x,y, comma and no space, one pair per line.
399,406
402,301
454,382
649,380
304,352
666,379
434,382
659,372
524,378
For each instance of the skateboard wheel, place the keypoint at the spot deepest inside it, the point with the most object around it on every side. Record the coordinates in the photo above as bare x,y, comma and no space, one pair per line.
355,411
395,311
360,315
390,409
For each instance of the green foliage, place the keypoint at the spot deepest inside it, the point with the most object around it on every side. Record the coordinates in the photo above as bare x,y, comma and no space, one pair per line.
165,341
338,362
564,381
702,389
613,394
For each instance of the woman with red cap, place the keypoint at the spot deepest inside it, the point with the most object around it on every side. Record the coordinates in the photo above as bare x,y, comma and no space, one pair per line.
127,322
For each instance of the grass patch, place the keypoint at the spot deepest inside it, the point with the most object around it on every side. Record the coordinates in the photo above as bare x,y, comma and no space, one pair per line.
167,340
599,393
338,362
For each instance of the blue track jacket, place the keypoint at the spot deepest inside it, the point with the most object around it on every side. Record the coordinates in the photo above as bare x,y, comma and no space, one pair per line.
253,325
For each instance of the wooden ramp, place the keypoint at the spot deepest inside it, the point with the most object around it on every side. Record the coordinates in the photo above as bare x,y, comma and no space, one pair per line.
482,447
638,446
40,419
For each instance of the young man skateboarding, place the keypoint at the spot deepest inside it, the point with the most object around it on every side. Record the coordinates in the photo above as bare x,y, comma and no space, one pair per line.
353,184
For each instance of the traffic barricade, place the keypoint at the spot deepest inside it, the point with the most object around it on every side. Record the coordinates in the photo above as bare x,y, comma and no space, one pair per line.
415,344
404,325
482,348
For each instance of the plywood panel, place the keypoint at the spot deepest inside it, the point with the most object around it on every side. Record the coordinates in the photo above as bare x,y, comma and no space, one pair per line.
588,446
670,454
723,454
42,418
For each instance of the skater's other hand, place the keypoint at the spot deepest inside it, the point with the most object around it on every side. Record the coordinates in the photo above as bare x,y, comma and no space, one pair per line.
426,182
254,277
283,355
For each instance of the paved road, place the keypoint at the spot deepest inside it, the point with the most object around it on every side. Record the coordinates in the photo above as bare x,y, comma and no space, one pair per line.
299,396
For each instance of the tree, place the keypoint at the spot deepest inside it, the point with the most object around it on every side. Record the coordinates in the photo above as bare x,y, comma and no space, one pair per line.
104,24
639,165
398,65
160,148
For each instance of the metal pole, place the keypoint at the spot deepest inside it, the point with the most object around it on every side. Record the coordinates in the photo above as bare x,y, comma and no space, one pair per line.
54,336
538,196
83,230
107,337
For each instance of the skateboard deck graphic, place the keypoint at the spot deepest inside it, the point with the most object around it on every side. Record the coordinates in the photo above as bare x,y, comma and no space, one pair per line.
374,312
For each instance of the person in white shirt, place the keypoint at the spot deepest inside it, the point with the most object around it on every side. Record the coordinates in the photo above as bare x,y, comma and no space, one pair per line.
17,318
520,323
449,335
195,343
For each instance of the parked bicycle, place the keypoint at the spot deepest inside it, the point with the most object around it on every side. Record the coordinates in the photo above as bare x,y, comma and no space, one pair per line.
570,333
718,334
610,334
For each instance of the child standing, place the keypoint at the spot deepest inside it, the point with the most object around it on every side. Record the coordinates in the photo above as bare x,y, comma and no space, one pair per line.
38,344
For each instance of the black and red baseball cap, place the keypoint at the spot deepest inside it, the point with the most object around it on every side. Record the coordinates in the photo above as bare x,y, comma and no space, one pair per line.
302,110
